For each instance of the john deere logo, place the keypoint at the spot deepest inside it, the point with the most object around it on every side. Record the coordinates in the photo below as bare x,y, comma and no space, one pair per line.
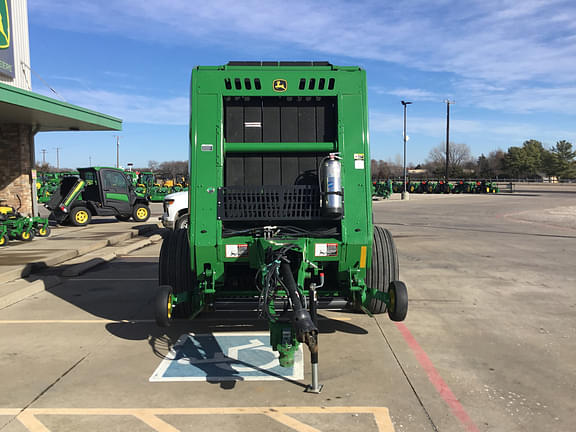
4,24
280,85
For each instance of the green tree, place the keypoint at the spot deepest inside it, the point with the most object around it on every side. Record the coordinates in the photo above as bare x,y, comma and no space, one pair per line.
563,158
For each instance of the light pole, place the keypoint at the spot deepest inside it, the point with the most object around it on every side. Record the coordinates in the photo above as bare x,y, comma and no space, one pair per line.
405,194
447,102
117,151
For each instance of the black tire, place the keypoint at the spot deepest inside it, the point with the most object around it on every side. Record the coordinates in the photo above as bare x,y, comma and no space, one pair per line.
183,275
26,235
43,231
123,217
141,213
182,222
163,306
3,240
174,269
384,268
398,301
80,216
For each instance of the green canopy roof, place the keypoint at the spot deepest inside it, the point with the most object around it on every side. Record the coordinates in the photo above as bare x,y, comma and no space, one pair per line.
19,106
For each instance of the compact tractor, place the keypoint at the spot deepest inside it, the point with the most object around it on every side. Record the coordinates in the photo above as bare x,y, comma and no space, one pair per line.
280,203
97,191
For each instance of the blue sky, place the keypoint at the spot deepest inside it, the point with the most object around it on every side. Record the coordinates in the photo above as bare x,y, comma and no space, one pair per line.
510,67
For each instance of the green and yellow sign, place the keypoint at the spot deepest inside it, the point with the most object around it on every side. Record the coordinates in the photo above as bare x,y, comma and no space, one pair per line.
6,49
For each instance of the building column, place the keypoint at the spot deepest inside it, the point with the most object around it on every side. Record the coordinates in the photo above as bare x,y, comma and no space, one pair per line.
16,164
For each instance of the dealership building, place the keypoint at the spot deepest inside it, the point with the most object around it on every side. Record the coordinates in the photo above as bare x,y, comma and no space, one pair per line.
24,113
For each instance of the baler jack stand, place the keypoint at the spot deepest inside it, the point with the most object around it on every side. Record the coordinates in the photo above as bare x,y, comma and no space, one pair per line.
315,387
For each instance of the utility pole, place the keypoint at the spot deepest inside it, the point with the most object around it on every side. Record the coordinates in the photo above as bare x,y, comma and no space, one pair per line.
58,157
447,102
405,194
89,161
43,156
117,151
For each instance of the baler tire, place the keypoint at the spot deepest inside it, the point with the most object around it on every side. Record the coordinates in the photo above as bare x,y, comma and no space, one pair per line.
166,267
384,268
398,301
182,273
163,306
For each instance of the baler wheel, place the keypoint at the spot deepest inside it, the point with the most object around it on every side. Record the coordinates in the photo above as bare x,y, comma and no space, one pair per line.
174,269
398,301
163,306
384,267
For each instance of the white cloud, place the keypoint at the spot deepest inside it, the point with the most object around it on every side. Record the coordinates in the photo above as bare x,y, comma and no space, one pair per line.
490,44
411,94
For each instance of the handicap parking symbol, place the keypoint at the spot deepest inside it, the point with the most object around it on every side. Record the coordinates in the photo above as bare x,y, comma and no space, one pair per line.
226,357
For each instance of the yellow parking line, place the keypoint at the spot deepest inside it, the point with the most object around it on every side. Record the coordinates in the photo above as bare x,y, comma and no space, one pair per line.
32,423
156,423
149,415
291,422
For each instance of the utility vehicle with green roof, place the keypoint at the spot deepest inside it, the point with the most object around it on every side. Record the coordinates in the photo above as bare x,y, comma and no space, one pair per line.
97,191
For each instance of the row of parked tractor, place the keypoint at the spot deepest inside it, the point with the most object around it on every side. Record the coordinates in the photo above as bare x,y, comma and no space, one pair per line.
385,188
16,226
145,183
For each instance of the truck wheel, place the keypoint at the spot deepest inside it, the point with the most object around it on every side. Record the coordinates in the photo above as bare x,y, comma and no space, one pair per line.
384,267
141,213
163,306
80,216
182,222
26,235
123,218
43,231
3,240
398,301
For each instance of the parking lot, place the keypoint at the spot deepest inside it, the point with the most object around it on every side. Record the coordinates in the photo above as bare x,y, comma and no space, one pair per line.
488,344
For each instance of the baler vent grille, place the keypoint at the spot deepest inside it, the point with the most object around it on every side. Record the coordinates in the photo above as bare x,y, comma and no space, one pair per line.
273,203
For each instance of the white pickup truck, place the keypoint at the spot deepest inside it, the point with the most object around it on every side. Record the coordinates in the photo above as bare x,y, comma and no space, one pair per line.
175,214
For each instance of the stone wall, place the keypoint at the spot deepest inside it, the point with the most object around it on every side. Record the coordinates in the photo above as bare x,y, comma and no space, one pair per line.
16,159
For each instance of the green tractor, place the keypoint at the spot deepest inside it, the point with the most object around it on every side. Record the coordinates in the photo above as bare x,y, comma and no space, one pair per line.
97,191
14,225
280,203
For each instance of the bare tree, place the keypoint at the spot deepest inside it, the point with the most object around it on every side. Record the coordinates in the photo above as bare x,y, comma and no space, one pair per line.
460,158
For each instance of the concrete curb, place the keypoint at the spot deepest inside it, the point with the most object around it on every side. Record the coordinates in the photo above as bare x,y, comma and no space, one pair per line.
92,260
14,288
22,288
89,261
24,270
15,272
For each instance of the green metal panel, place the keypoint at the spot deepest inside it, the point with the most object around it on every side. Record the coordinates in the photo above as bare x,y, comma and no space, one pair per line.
117,196
284,147
210,84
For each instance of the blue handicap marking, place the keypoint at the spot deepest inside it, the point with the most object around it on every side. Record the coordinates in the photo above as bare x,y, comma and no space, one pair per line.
226,357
